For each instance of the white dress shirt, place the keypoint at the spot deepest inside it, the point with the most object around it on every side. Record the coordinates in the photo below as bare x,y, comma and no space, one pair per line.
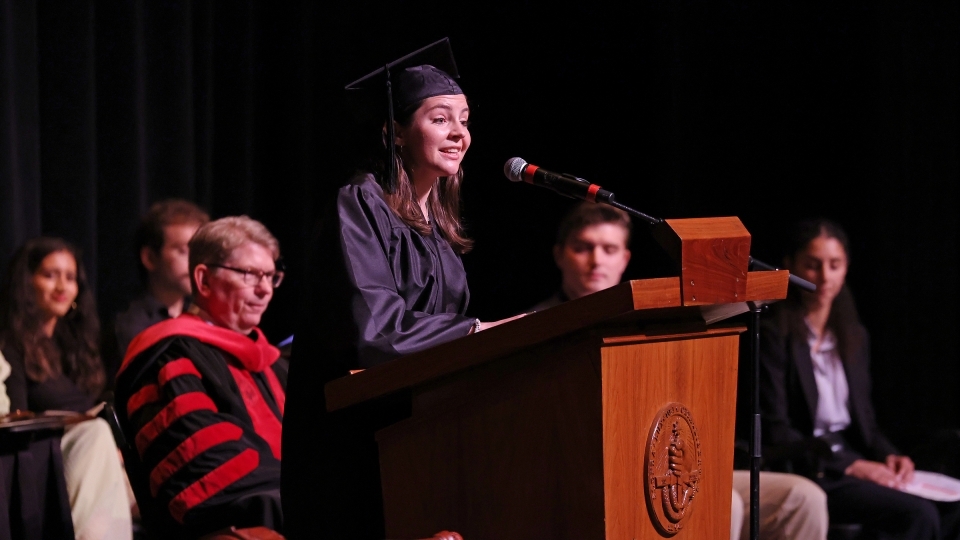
833,413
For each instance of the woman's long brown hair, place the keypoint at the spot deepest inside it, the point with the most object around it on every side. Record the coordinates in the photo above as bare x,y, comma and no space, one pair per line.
74,349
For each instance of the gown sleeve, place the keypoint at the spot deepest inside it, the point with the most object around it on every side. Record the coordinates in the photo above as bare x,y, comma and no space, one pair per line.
206,469
386,325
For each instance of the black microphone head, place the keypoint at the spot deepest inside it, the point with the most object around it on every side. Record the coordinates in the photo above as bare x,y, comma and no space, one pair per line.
513,168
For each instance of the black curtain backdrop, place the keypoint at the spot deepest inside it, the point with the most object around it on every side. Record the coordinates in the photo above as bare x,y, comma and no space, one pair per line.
769,111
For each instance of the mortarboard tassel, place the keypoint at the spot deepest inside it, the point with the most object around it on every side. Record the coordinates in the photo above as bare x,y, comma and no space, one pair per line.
391,139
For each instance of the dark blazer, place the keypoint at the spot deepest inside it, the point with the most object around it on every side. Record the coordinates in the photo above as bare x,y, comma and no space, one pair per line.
788,392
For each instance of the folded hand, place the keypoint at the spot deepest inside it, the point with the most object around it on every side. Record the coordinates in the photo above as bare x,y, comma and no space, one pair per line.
902,467
875,472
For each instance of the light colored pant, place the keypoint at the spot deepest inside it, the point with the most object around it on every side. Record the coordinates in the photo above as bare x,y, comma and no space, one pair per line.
96,482
791,507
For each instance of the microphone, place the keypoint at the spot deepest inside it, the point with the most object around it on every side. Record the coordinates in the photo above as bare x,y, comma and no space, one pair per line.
518,170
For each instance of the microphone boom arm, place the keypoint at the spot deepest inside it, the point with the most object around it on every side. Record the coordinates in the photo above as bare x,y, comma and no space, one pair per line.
635,213
517,170
794,279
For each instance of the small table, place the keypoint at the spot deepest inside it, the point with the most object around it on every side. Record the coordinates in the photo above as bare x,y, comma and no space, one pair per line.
33,493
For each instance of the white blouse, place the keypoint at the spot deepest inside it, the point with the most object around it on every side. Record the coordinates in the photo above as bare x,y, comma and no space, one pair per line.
833,413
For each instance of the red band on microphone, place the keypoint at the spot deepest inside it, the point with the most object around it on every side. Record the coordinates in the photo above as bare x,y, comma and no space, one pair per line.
592,192
528,173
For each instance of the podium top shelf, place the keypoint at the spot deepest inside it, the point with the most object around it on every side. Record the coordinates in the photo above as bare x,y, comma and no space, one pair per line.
646,300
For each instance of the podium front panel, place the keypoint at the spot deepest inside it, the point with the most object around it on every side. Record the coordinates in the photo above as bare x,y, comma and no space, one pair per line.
510,450
668,434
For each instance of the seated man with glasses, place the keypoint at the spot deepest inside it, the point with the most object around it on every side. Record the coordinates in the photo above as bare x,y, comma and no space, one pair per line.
200,397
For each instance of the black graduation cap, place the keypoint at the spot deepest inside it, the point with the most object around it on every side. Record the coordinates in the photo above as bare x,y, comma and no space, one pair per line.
426,72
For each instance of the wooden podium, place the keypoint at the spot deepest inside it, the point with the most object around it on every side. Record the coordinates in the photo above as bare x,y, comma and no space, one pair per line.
610,416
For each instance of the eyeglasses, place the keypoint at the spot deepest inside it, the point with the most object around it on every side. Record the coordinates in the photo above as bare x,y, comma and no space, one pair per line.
253,277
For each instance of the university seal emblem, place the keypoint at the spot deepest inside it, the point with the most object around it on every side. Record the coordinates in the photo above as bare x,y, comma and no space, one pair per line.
673,468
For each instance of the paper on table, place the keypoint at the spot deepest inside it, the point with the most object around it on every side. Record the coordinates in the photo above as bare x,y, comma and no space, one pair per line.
933,486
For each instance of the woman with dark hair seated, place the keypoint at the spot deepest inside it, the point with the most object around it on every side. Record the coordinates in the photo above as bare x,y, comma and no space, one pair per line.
816,383
49,333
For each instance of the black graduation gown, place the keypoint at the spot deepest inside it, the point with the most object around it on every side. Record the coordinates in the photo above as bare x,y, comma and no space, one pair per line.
379,290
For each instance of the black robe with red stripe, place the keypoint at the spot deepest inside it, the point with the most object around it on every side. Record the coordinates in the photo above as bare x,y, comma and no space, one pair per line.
202,407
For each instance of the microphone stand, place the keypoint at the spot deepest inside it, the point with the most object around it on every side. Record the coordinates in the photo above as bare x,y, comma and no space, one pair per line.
754,328
755,453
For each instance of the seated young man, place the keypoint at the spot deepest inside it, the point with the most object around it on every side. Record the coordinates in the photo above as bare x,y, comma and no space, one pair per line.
162,253
592,252
201,396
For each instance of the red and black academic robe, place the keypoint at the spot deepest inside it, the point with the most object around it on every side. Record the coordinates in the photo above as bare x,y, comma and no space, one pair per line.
203,406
